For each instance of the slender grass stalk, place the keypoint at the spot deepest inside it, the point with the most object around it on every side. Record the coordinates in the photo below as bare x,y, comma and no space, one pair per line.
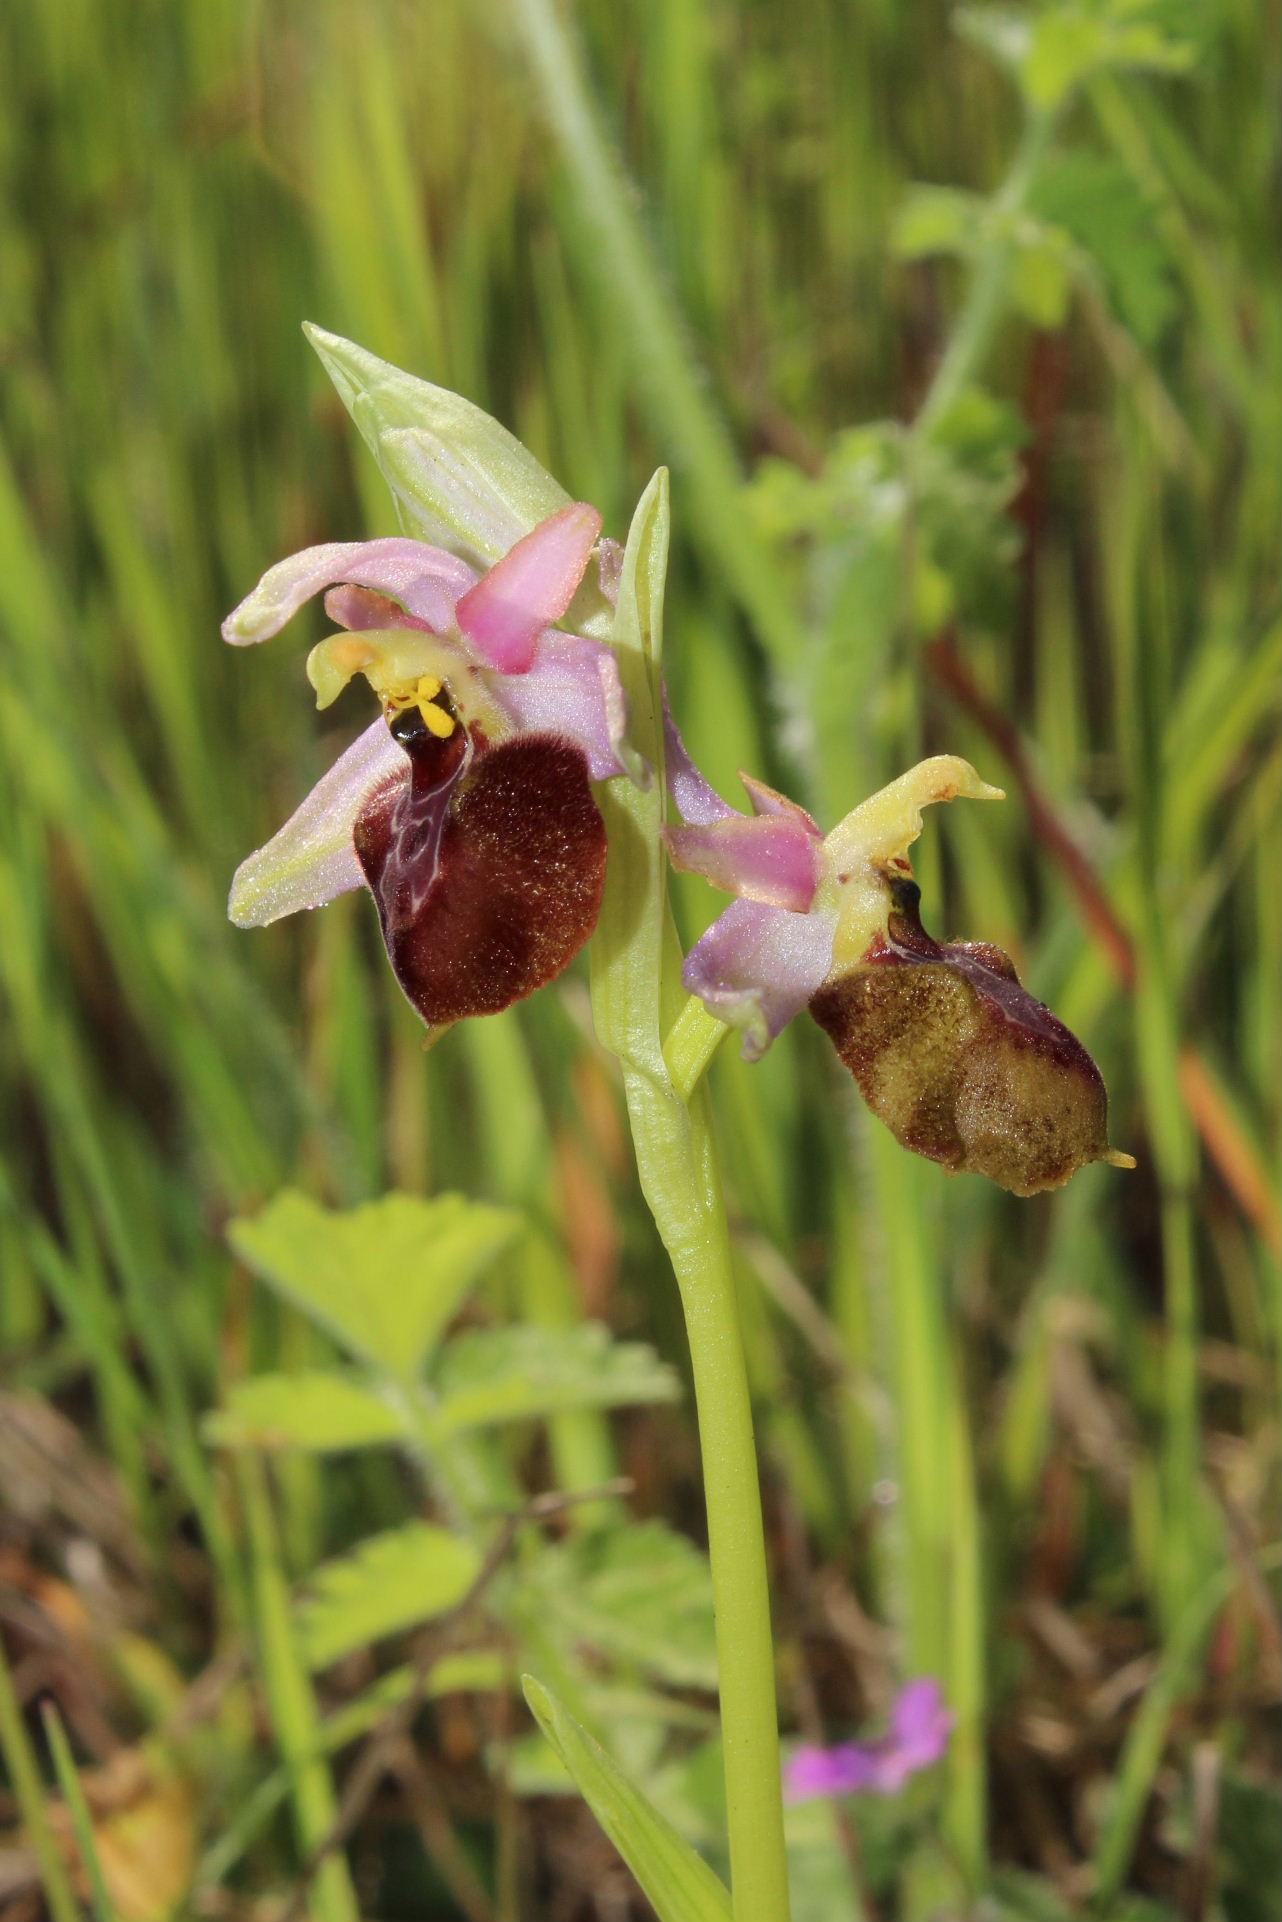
985,303
1142,1753
635,967
73,1795
28,1789
292,1703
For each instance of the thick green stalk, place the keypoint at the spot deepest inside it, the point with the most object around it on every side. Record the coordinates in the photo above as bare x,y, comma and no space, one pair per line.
635,986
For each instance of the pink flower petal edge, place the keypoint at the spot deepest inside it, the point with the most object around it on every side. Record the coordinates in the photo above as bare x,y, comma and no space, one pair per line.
530,588
312,860
425,580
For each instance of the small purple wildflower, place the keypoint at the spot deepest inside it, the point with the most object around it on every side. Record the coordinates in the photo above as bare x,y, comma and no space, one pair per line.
917,1736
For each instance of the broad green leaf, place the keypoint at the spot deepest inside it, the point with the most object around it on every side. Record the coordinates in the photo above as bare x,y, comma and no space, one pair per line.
392,1581
1096,200
491,1375
640,1595
677,1881
384,1279
936,220
316,1410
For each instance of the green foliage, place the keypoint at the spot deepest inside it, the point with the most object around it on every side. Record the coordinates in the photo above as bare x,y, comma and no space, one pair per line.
1095,200
493,1375
1054,50
1250,1846
965,1406
384,1279
392,1581
638,1596
322,1411
847,532
677,1881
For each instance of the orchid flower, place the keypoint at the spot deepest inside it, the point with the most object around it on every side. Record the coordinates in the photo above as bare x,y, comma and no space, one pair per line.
467,807
917,1737
959,1061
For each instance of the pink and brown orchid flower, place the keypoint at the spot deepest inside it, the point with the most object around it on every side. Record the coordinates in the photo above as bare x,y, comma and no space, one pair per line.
466,809
947,1048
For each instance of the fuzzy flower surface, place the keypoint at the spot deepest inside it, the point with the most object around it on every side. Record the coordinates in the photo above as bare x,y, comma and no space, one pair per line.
466,808
946,1046
916,1738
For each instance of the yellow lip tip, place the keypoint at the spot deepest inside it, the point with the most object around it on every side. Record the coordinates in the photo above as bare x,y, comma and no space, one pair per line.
1116,1159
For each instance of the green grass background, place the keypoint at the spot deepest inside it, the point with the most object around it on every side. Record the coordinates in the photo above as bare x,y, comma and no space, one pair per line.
976,1408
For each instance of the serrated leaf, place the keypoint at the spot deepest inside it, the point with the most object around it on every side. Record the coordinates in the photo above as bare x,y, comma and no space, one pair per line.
383,1279
641,1595
936,220
317,1410
676,1880
392,1581
492,1375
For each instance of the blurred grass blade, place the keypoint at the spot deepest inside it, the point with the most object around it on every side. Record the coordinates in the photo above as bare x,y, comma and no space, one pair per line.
677,1881
28,1790
81,1819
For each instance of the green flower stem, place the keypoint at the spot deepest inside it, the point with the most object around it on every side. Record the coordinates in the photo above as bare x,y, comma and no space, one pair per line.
985,300
635,994
693,1039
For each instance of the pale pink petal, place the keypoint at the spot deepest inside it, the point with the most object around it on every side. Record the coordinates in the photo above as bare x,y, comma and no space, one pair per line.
312,859
695,800
505,613
425,580
572,688
758,966
768,800
774,858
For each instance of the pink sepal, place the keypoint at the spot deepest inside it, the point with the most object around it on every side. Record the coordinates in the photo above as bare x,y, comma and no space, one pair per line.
424,580
771,858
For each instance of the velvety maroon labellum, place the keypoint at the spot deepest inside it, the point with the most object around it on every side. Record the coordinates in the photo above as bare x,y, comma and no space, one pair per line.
961,1063
487,868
